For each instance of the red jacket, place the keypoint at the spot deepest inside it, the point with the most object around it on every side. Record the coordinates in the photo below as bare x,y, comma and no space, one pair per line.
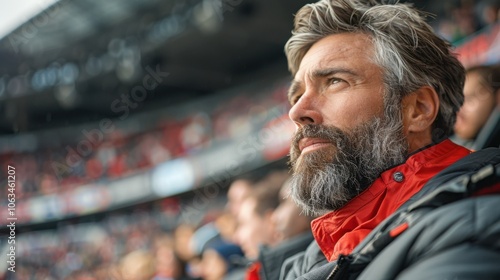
338,232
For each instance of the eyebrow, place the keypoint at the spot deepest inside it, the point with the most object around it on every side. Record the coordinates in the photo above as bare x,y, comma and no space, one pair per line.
319,73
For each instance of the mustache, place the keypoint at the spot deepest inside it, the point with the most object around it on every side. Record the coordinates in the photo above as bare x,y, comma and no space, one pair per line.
329,133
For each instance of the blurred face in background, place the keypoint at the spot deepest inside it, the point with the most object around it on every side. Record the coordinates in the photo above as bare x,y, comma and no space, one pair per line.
138,265
479,102
288,221
237,192
226,224
182,235
253,229
213,265
167,264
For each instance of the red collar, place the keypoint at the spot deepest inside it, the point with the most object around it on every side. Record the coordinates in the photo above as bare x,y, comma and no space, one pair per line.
338,232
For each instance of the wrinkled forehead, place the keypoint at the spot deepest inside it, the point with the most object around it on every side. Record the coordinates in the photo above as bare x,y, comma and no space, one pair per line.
343,47
351,54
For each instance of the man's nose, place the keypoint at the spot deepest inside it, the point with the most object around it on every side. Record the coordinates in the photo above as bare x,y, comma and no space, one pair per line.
306,111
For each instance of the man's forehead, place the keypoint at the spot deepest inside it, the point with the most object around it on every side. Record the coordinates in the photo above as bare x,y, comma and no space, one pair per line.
338,50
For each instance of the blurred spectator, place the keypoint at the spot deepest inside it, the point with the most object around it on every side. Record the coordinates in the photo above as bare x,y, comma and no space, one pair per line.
488,12
254,220
481,91
255,227
138,265
293,235
168,265
111,272
226,225
204,236
464,19
209,236
456,21
237,192
182,236
221,261
288,219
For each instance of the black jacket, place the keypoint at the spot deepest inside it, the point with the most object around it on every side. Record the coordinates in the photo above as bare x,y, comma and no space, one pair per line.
273,258
303,262
449,230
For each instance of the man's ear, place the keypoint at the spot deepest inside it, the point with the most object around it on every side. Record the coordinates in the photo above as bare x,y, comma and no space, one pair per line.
420,109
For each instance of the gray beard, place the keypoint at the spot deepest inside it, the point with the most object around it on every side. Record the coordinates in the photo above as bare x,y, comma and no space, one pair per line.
328,178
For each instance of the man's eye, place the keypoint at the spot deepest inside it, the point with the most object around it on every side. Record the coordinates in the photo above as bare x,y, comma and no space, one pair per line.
333,81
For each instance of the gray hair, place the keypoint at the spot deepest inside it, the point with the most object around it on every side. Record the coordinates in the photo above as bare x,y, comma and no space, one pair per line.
409,52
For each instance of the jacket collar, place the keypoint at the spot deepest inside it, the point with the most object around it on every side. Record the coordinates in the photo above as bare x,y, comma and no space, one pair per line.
338,232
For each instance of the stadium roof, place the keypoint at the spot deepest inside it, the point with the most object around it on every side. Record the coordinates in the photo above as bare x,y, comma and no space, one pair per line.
67,64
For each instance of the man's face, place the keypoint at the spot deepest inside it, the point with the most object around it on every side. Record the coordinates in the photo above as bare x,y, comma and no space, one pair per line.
343,139
337,84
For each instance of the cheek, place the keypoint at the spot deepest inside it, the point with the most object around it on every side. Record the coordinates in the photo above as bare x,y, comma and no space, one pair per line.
480,111
350,110
489,102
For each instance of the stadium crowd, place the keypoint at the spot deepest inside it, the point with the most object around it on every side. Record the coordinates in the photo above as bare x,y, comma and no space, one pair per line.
118,154
160,243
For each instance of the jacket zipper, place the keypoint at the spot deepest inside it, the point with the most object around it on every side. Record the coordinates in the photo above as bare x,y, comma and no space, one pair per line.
341,268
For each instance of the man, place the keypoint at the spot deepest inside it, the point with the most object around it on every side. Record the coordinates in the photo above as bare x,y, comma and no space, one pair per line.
374,98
